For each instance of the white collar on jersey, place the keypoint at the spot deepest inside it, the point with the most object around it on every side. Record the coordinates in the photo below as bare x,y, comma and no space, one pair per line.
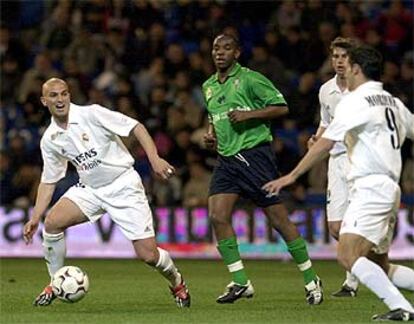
72,118
371,84
336,88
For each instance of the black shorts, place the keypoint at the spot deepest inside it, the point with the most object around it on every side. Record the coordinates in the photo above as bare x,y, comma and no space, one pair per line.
245,173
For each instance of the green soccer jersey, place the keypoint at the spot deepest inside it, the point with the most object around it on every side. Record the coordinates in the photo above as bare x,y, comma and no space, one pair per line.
246,90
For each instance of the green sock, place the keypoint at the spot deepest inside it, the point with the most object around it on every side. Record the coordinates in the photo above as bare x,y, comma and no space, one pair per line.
297,248
229,251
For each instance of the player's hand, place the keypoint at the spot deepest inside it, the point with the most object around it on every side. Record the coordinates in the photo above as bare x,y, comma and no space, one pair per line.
30,229
210,141
237,116
274,187
312,140
163,169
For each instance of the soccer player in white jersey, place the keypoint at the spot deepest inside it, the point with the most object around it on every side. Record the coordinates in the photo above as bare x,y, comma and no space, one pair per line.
330,93
89,138
373,124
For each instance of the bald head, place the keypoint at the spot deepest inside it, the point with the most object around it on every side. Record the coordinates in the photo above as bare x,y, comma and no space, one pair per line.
52,82
56,97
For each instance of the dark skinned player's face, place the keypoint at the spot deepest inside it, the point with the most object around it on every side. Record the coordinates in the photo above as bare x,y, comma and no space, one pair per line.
224,53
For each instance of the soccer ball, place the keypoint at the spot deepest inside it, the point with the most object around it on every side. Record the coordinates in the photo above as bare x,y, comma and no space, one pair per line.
70,284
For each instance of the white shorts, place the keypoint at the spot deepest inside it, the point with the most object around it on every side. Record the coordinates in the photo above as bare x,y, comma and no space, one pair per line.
337,193
372,212
124,200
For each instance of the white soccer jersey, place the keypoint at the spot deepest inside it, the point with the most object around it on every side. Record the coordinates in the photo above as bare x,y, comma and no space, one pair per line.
329,96
373,125
91,143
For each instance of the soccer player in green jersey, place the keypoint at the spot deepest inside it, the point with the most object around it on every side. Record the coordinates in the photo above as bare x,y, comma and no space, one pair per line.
241,103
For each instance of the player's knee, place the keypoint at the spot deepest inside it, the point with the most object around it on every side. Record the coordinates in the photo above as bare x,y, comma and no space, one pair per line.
279,218
51,226
218,219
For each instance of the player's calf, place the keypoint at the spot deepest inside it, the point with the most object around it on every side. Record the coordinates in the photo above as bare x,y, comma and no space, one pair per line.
45,298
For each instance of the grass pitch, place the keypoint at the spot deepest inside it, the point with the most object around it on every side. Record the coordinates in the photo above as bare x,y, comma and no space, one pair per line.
127,291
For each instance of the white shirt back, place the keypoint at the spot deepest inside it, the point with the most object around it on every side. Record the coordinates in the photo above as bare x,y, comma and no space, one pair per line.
329,96
91,143
374,125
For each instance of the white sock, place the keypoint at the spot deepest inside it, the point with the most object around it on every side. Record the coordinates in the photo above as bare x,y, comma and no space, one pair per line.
401,276
351,281
372,276
54,250
167,268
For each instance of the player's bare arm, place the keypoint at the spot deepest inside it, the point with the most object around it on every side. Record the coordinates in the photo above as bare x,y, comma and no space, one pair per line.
312,140
44,196
318,152
269,112
161,167
209,138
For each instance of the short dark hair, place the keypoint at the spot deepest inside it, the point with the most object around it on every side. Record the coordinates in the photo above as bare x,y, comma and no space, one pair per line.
368,58
342,42
233,37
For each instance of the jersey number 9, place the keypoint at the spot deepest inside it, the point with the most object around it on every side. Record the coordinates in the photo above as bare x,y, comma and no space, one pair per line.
395,136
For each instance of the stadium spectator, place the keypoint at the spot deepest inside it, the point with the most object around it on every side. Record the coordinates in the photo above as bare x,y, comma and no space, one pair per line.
270,66
148,27
42,70
195,191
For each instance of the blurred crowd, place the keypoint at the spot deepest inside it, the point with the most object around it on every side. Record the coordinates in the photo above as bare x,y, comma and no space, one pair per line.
148,59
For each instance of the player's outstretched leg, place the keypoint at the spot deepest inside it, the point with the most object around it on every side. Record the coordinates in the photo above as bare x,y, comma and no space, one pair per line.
235,291
54,249
181,294
240,286
169,271
279,218
45,298
314,292
349,287
395,315
313,284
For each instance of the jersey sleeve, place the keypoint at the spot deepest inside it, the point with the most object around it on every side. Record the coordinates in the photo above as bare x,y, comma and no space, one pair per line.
407,119
325,118
349,115
54,165
264,91
113,121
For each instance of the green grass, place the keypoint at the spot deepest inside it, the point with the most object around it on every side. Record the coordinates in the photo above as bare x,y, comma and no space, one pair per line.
127,291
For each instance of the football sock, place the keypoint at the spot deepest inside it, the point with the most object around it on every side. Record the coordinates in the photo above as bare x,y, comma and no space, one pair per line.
167,268
229,251
401,276
351,281
372,276
299,253
54,250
